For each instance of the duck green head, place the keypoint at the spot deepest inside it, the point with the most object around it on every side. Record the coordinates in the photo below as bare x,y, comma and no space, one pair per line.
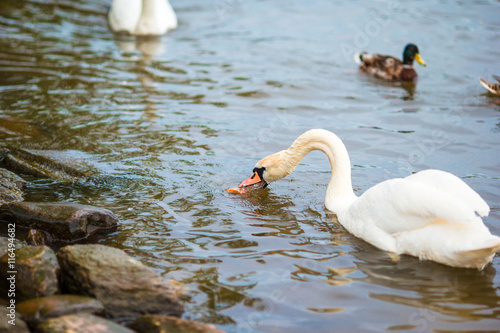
411,53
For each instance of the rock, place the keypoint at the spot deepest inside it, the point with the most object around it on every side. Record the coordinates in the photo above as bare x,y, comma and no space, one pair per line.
14,180
81,323
63,221
37,310
59,165
16,128
167,324
14,318
4,244
126,287
37,238
37,270
66,166
11,186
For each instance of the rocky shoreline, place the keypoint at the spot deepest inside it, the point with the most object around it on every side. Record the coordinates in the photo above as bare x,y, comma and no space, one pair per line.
63,282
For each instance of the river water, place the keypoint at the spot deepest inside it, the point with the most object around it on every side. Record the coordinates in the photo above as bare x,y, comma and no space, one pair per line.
175,121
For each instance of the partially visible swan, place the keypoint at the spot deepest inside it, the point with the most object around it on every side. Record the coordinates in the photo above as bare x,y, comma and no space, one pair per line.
431,214
142,17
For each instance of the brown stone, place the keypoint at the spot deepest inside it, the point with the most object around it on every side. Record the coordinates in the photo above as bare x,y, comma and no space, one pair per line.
11,186
81,323
11,322
63,221
36,268
37,310
125,286
57,165
168,324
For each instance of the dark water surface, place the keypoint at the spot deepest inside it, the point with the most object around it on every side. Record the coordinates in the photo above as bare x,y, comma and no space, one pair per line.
173,122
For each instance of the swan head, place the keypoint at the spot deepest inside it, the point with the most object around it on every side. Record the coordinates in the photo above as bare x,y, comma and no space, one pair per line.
266,171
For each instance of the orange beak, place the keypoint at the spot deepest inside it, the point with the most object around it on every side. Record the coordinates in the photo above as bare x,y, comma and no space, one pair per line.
254,182
253,179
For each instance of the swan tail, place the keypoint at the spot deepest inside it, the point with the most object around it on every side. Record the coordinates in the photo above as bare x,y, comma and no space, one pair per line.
478,258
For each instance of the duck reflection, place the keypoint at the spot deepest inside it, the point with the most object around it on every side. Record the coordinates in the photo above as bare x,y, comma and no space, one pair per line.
409,87
429,291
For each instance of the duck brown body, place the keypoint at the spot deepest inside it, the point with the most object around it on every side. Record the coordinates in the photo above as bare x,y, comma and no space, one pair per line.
388,67
493,88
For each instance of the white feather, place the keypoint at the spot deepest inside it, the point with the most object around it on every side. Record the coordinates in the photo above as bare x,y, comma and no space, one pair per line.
142,17
451,184
357,58
430,214
124,15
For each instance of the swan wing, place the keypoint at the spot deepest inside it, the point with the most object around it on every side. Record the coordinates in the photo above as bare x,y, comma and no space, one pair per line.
400,205
452,185
430,215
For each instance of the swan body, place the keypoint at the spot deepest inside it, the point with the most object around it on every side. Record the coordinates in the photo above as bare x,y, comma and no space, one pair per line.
388,67
431,214
493,88
142,17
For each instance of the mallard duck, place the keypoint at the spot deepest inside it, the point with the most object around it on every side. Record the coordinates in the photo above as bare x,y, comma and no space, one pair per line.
391,68
142,17
493,88
431,214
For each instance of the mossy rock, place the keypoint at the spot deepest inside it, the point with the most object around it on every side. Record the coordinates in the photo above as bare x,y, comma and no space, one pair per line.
9,318
11,187
38,238
169,324
81,323
37,310
58,165
37,269
126,287
5,241
66,222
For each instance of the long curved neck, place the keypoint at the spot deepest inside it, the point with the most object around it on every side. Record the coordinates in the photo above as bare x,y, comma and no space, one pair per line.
339,195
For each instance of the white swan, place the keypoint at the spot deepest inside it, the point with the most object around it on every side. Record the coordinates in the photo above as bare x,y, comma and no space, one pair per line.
142,17
431,214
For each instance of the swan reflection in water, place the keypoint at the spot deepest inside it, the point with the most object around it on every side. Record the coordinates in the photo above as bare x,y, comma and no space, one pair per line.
138,25
436,292
330,260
